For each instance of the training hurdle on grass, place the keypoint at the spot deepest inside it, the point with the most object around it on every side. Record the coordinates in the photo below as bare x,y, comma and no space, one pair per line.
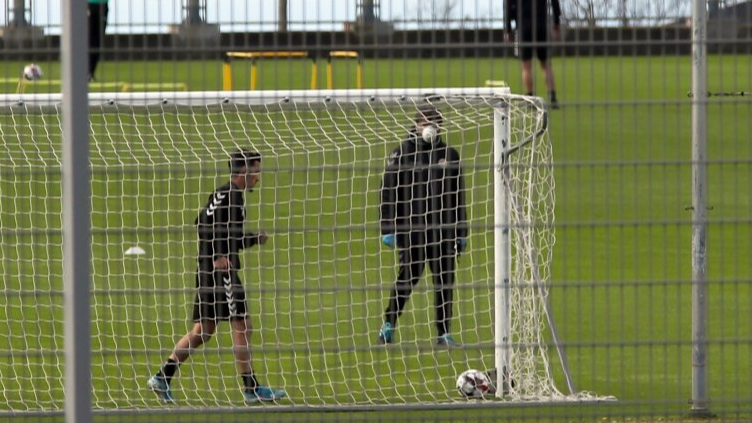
255,56
496,83
339,54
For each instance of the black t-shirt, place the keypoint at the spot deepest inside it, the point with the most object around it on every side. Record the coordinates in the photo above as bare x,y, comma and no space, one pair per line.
531,15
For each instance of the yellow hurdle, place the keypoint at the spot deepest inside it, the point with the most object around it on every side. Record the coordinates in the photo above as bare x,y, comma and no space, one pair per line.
254,56
340,54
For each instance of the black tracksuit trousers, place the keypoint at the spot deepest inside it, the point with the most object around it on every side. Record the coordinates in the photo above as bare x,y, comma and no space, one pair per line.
442,261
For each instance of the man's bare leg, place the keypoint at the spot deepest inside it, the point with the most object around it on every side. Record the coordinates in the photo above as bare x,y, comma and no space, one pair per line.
527,76
548,71
197,336
241,342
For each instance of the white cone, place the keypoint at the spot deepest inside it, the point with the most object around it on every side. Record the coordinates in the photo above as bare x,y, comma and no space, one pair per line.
135,251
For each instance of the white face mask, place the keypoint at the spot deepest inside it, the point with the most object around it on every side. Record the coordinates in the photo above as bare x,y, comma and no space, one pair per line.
430,134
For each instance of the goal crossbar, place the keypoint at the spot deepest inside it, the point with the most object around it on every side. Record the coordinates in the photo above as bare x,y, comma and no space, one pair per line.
201,98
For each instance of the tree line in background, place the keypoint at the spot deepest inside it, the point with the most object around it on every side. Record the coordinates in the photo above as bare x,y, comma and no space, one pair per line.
576,13
624,13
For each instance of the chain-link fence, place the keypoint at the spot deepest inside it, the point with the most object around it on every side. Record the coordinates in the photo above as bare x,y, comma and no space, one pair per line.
341,210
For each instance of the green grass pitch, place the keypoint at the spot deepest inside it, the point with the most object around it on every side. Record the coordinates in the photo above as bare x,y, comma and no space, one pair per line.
621,272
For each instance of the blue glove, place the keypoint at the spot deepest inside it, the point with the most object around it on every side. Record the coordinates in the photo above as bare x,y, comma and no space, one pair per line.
388,240
461,245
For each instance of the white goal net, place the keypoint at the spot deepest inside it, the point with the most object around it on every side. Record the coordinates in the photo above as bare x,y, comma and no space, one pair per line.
316,292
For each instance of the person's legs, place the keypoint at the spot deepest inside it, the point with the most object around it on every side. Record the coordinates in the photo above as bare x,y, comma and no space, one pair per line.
241,344
412,264
526,56
235,308
549,72
95,14
550,83
547,69
527,76
102,31
103,26
442,262
200,333
241,347
205,316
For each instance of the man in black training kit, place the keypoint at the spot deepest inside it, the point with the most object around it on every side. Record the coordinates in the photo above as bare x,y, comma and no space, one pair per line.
220,293
97,18
532,20
423,215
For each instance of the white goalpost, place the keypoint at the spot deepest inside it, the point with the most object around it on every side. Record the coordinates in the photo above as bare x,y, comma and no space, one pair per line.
523,242
317,291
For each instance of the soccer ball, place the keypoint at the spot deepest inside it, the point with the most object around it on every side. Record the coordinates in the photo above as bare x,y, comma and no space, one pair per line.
32,72
473,384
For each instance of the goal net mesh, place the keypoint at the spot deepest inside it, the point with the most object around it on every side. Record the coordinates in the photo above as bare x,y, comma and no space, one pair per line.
316,291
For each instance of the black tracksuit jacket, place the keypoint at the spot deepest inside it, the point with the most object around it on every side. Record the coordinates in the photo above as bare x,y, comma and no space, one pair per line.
423,194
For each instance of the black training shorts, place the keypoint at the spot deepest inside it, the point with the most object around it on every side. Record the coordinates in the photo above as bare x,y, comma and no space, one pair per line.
534,41
220,296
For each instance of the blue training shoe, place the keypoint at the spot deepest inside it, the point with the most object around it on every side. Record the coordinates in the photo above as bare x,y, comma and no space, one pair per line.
446,340
385,334
263,393
160,387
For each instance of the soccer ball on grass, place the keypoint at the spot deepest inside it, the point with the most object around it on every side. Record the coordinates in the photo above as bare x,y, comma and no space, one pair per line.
32,72
473,384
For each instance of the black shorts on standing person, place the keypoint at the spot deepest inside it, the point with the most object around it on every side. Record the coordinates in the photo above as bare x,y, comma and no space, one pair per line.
531,20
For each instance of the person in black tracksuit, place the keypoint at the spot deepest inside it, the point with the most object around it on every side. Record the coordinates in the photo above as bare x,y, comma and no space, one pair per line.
97,17
423,214
532,19
220,295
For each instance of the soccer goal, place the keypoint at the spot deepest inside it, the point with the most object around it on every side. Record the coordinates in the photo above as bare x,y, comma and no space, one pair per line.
317,291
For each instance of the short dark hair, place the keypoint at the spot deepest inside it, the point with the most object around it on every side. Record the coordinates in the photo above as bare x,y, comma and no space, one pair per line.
430,113
242,159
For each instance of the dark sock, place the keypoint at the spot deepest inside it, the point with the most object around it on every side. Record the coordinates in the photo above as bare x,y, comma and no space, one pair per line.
552,96
529,94
168,370
249,380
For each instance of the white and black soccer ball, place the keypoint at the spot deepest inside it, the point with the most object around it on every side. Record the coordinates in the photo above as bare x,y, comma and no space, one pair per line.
32,72
473,384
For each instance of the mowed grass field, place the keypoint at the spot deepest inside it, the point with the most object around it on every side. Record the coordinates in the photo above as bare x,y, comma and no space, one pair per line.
621,270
